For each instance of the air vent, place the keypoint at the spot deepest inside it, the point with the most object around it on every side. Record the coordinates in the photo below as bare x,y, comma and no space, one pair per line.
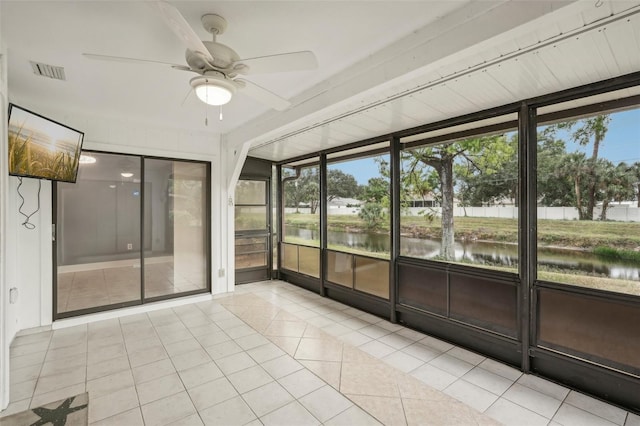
46,70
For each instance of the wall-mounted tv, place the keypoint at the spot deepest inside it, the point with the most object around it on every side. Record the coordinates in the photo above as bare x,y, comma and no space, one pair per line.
42,148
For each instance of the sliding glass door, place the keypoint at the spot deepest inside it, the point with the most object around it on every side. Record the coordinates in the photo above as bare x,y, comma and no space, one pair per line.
130,230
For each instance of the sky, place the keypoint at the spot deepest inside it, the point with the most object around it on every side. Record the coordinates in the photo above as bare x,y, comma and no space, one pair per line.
621,143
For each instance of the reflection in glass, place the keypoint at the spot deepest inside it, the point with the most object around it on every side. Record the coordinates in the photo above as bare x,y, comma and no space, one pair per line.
251,252
98,235
372,276
340,268
176,261
251,192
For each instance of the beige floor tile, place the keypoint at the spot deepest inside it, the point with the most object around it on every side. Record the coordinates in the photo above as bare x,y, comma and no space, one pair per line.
472,395
353,416
109,384
287,344
167,410
368,379
200,374
147,356
281,366
103,353
25,374
319,350
27,360
58,366
108,367
451,365
154,370
223,350
301,383
57,395
454,413
212,393
231,412
15,407
267,398
512,414
236,362
329,371
286,328
59,381
291,414
544,386
249,378
29,348
159,388
596,407
132,417
387,410
111,404
23,390
402,361
533,400
434,377
190,359
325,403
183,346
265,352
492,382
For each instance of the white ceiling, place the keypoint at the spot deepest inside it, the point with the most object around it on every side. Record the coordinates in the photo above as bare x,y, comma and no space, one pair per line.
383,65
58,32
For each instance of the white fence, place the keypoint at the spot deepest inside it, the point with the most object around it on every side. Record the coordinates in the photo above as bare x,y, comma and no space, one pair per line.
615,212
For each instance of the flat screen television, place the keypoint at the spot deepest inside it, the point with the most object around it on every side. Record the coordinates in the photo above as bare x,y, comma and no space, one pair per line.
42,148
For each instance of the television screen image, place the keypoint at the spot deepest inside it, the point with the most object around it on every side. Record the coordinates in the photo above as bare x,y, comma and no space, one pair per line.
42,148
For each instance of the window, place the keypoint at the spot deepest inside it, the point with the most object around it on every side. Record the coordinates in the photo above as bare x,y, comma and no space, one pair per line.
358,202
460,199
588,179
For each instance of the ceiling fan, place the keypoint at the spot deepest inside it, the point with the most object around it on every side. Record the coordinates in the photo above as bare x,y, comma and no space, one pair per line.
218,66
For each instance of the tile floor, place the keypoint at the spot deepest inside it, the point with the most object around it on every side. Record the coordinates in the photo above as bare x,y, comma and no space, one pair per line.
109,285
274,354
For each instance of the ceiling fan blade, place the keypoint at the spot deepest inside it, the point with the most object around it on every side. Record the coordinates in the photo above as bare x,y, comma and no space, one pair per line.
97,57
294,61
261,94
181,27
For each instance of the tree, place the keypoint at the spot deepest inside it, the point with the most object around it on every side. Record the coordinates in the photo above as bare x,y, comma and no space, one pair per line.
306,189
303,190
376,200
616,184
485,156
492,176
554,190
341,184
590,130
634,171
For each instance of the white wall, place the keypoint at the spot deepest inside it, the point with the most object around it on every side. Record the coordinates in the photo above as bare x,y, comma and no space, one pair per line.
27,254
8,313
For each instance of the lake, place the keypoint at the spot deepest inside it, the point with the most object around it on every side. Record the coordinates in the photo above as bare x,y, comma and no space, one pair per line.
479,252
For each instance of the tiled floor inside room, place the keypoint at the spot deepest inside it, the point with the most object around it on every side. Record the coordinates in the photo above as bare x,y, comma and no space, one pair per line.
274,354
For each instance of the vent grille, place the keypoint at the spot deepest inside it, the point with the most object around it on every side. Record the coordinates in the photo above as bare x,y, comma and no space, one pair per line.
46,70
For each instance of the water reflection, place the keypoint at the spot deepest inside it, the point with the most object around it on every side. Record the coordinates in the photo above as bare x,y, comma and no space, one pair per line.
480,253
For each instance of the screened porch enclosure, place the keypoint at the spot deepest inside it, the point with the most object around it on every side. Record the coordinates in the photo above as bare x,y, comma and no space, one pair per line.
511,231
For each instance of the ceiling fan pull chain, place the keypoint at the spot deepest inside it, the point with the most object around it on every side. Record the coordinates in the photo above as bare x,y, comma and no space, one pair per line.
206,116
220,112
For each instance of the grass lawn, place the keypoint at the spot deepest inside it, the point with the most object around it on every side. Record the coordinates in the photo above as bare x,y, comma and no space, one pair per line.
581,235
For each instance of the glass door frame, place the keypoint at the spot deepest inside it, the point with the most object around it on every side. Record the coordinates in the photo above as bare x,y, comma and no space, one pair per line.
103,308
257,273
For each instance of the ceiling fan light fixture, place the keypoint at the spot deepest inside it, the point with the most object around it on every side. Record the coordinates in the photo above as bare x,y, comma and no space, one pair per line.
213,90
